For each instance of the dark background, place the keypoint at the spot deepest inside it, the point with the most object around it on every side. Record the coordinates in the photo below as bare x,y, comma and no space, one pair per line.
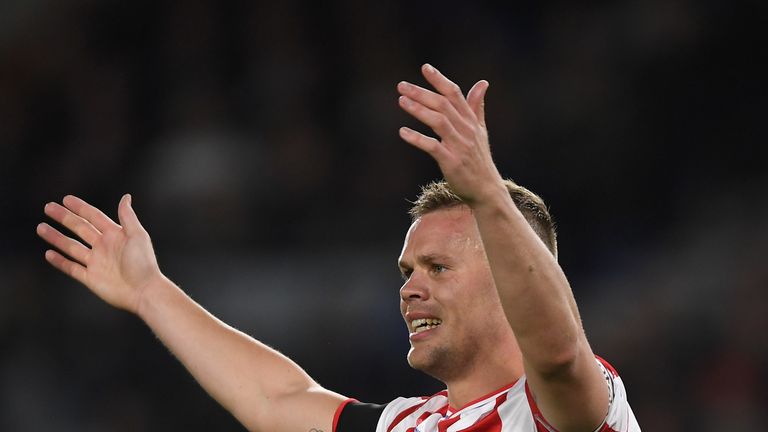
259,141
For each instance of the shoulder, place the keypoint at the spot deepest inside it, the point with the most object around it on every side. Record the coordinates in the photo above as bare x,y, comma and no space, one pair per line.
619,418
405,408
356,416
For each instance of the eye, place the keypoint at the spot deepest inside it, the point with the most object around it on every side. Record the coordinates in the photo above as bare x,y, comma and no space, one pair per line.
438,268
406,274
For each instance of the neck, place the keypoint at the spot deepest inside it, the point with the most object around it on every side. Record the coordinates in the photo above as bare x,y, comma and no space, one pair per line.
485,378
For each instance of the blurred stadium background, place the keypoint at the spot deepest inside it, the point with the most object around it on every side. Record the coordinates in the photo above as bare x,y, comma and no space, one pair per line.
259,140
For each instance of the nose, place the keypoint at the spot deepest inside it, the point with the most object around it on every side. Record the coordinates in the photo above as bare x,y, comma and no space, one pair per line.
415,288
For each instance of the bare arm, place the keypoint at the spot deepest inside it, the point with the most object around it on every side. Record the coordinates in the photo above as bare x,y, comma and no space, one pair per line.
263,389
536,297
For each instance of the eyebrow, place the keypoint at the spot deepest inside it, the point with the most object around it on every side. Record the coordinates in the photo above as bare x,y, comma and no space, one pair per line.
424,259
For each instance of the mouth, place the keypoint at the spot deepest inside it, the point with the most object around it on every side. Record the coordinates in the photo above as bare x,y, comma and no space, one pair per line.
424,324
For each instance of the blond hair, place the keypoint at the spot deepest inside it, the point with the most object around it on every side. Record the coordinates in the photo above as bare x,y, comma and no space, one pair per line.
438,195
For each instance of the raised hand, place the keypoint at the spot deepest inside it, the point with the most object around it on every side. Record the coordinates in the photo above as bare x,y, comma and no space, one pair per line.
463,152
116,262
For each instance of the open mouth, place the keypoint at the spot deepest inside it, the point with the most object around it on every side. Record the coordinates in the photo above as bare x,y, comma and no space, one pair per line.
424,324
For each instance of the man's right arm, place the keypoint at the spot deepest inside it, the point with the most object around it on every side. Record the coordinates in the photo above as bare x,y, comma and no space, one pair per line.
263,389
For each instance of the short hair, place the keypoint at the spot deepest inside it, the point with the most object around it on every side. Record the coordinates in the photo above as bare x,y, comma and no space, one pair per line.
438,195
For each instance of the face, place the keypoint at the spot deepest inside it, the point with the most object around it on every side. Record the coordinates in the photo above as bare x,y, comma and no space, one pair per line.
449,301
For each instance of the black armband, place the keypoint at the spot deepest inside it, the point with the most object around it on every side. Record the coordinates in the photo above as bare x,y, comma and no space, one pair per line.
359,417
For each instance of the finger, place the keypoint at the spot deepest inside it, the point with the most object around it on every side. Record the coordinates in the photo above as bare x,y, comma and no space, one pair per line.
476,100
427,144
435,102
127,215
437,121
90,213
81,227
70,268
69,246
447,88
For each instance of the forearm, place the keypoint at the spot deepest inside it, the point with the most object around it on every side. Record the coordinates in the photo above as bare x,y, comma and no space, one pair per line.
242,374
265,390
534,292
540,308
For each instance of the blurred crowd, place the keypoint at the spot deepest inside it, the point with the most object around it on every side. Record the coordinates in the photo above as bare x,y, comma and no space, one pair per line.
259,141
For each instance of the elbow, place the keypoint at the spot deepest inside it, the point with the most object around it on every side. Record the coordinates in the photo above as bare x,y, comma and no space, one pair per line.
559,361
557,367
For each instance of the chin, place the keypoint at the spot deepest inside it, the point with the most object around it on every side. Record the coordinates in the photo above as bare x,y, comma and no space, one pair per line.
412,358
432,362
416,359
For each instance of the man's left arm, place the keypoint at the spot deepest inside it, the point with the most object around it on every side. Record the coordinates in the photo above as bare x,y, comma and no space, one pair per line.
560,367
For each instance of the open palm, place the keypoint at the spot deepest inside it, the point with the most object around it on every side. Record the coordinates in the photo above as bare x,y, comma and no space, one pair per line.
115,261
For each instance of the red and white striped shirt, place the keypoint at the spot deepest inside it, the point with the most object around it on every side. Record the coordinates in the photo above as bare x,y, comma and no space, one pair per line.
509,409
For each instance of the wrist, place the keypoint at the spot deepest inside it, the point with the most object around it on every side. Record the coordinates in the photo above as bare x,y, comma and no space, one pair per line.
148,294
494,195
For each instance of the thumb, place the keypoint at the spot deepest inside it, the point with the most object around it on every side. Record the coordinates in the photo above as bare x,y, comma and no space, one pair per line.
128,219
476,99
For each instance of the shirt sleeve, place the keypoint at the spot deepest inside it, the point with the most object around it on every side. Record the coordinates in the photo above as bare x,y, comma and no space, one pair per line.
620,417
353,416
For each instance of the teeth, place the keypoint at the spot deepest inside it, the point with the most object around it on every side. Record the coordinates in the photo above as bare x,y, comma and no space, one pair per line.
422,324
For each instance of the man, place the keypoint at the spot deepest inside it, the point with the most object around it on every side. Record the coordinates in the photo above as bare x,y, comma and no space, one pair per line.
488,308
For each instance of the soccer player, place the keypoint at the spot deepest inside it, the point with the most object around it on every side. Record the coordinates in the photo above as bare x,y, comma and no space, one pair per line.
488,309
